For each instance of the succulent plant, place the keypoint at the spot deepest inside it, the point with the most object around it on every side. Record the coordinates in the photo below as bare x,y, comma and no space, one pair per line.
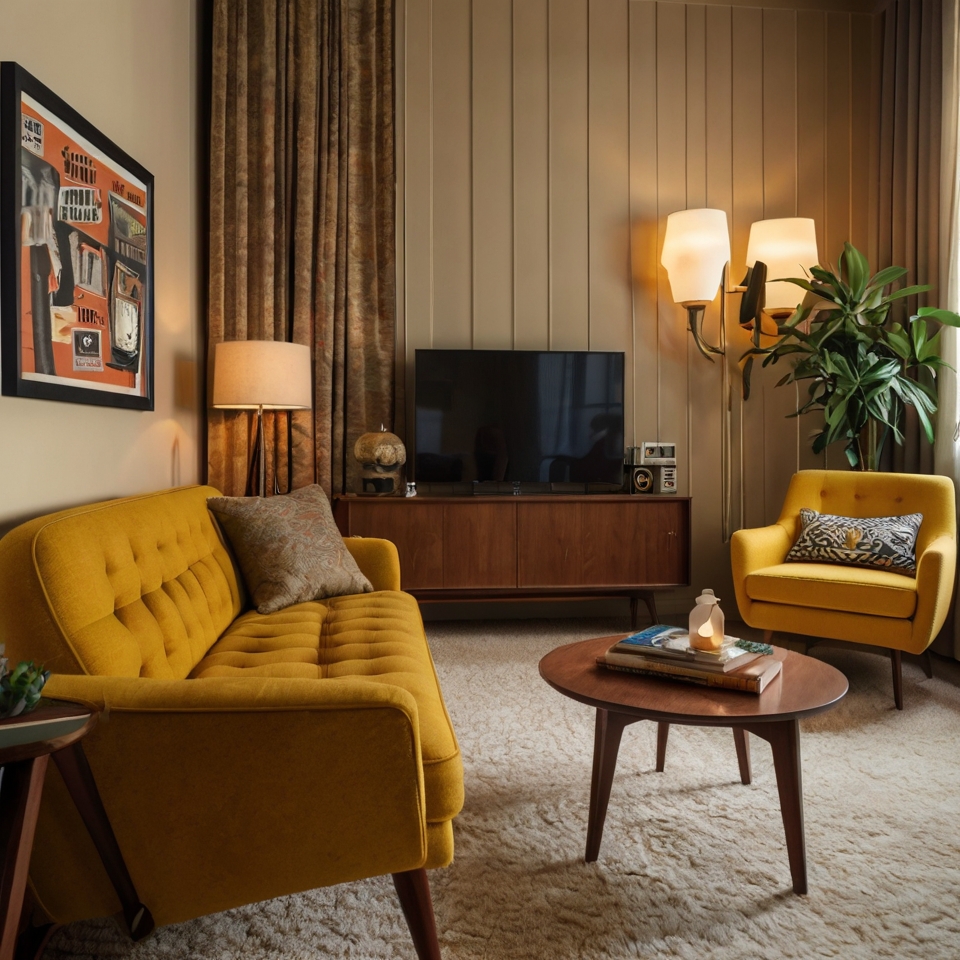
20,688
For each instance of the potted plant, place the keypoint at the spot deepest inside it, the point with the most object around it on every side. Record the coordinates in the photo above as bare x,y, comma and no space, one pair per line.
20,688
862,368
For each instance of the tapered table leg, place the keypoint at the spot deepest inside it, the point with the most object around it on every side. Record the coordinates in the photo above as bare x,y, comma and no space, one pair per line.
606,746
784,738
663,731
19,807
743,753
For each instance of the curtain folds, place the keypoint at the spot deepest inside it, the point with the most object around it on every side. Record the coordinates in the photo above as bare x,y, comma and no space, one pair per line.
947,448
909,175
302,223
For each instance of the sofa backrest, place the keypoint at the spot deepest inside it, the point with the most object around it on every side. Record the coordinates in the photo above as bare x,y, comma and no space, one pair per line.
852,493
142,586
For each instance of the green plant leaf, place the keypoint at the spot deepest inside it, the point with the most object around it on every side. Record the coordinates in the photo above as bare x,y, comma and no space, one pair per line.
884,277
948,317
908,292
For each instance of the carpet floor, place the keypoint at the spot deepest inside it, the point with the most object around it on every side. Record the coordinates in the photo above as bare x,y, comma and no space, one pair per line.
693,863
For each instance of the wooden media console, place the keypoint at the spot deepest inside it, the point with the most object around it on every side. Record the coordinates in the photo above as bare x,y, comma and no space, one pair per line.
543,547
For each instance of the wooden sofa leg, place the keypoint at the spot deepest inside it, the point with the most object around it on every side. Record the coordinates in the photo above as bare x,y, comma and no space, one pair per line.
897,679
413,889
926,663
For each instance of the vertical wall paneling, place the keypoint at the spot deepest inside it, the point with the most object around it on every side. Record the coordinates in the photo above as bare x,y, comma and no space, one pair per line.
531,196
569,201
644,219
608,108
780,162
704,379
672,195
544,143
711,552
492,111
811,165
748,167
417,282
452,175
838,117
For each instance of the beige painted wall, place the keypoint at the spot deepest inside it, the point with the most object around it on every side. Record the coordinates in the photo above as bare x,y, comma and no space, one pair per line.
544,142
130,68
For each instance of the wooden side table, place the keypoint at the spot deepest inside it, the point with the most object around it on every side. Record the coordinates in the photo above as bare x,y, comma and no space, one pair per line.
53,729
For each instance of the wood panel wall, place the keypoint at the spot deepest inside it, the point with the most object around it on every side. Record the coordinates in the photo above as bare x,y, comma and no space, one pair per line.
543,143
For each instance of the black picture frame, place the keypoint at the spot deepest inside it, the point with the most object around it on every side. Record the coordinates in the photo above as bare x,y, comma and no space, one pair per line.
87,239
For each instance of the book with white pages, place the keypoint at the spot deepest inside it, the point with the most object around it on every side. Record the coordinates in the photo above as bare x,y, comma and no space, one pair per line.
662,642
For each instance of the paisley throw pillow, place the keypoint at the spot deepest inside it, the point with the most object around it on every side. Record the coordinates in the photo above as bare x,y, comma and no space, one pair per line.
887,543
289,548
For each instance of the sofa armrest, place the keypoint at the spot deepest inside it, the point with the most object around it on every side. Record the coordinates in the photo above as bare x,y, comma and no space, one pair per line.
378,561
936,568
754,549
258,787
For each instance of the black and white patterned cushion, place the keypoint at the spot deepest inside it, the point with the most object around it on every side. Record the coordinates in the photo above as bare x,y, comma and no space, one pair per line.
888,543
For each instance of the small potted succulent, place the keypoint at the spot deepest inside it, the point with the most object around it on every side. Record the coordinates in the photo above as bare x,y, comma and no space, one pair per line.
20,688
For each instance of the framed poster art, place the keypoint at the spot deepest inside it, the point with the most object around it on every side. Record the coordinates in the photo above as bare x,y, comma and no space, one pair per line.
76,255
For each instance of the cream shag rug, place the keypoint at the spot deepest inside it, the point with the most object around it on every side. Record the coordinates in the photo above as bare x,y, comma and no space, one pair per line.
693,863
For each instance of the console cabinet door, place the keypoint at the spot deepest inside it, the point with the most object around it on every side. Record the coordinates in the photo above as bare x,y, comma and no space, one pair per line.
479,545
634,542
549,545
415,528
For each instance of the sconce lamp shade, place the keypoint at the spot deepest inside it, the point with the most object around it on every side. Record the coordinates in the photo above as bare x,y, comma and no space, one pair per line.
788,247
272,374
696,247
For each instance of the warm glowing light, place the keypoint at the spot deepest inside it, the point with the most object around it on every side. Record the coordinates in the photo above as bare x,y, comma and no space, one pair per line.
788,247
271,374
696,248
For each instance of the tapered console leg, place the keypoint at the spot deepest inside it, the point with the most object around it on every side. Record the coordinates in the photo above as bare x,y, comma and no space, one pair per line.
743,753
606,746
413,890
634,603
895,661
650,600
72,763
663,731
784,738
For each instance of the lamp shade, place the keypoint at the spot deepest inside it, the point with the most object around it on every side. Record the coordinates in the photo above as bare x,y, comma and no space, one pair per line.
788,247
696,247
271,374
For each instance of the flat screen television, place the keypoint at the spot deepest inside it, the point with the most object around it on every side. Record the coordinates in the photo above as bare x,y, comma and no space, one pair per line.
526,416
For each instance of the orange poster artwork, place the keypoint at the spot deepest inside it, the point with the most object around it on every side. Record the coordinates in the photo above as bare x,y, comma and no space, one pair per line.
76,319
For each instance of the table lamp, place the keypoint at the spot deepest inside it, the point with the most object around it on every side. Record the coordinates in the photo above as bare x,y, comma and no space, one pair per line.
262,375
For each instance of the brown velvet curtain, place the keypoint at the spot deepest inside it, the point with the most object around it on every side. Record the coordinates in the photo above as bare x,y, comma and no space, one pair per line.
302,223
909,175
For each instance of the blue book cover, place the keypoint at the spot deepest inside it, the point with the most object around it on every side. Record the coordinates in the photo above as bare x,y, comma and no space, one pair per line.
653,637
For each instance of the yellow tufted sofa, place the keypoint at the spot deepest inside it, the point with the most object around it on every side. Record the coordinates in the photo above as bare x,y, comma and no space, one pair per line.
239,756
840,602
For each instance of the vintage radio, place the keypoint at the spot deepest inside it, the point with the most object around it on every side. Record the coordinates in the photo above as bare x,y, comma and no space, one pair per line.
653,453
639,479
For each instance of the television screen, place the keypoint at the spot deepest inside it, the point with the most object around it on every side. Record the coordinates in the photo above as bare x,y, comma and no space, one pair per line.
525,416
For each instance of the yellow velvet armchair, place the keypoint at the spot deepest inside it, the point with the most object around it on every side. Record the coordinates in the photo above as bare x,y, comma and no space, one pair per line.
840,602
239,756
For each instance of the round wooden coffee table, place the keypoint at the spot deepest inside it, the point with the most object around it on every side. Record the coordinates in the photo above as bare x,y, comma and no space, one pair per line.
804,687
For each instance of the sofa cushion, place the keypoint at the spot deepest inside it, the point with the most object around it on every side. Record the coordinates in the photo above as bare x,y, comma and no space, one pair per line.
289,548
826,586
376,636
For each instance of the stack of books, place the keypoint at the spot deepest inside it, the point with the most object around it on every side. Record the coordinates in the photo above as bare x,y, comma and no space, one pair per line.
664,651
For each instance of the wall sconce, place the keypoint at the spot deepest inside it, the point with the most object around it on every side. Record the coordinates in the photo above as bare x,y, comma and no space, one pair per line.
262,375
776,248
696,250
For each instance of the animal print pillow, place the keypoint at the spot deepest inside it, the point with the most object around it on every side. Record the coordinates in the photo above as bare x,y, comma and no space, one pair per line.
888,543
